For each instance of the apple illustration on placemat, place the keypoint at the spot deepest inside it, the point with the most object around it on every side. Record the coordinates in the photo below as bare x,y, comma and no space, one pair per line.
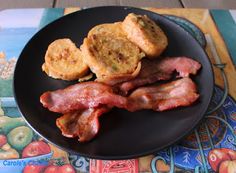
36,148
19,137
222,160
14,134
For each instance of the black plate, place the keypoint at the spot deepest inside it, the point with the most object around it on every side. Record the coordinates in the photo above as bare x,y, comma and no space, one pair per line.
122,134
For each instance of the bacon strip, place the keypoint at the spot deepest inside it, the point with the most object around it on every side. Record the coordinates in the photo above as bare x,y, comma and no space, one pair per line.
83,103
85,124
82,123
81,96
156,70
183,65
181,92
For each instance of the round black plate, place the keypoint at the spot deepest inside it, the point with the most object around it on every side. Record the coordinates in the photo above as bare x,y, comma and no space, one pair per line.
122,134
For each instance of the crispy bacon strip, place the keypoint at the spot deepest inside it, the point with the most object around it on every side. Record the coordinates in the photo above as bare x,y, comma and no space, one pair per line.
81,96
181,92
183,65
82,123
156,70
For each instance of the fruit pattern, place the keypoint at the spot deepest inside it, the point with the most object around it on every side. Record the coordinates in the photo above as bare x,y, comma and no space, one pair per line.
18,141
222,160
12,141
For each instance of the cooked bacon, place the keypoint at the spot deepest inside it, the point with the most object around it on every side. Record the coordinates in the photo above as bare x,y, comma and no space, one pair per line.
156,70
181,92
82,123
183,65
81,96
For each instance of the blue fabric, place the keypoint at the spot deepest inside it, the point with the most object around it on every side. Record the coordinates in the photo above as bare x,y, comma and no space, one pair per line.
49,15
227,28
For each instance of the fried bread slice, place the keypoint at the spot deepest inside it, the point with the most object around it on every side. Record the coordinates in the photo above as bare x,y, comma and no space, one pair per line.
145,33
114,29
109,53
63,60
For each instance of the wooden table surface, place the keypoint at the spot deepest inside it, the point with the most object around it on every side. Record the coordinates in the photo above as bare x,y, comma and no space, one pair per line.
211,4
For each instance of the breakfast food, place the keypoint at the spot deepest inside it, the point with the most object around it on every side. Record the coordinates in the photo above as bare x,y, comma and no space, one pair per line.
182,92
82,123
86,95
109,54
160,69
115,52
145,33
63,60
81,96
114,29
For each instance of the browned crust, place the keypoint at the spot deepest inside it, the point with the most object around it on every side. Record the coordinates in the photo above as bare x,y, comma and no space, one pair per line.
110,54
144,32
63,60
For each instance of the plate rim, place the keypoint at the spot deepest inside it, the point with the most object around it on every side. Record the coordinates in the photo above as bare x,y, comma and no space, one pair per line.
128,156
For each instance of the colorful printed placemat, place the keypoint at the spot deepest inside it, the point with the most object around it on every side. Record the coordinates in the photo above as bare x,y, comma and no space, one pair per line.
210,148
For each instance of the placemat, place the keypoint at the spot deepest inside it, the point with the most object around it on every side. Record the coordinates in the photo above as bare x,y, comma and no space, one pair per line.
210,148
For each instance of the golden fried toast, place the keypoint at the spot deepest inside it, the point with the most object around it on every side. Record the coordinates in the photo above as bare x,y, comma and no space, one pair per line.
108,28
109,53
144,32
63,60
